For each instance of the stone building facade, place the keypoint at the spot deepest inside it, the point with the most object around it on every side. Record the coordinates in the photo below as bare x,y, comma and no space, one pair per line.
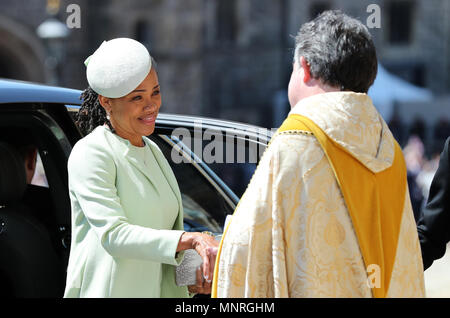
223,58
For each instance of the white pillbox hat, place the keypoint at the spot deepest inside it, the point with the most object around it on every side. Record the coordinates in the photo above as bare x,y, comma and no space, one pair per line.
117,67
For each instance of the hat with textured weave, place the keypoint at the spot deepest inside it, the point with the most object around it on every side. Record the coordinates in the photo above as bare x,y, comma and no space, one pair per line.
117,67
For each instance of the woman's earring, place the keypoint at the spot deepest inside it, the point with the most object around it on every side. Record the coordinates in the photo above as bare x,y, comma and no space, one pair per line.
107,116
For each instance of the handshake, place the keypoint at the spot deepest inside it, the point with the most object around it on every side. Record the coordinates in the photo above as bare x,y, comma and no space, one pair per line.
197,268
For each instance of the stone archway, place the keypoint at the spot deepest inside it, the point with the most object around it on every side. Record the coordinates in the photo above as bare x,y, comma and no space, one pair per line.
22,54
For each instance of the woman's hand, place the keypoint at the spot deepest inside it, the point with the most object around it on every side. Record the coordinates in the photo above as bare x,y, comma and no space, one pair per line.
202,286
206,246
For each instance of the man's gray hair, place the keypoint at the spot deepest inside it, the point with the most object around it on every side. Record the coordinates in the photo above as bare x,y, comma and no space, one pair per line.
339,50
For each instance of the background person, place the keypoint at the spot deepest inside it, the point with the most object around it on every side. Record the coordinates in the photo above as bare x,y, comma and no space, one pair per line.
36,196
434,224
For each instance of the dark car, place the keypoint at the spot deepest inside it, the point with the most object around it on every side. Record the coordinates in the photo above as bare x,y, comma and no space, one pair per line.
213,161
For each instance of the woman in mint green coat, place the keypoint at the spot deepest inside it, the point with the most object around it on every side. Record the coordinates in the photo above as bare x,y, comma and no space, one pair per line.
127,214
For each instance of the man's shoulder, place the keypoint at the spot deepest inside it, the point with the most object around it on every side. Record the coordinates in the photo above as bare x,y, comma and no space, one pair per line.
294,140
37,193
296,150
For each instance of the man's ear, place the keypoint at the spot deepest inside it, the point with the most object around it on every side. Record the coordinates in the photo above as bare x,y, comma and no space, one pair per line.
306,70
105,102
31,157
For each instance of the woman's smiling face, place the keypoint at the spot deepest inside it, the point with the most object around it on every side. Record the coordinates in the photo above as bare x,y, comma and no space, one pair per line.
133,115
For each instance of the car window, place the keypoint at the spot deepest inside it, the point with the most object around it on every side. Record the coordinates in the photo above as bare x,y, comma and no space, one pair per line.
22,141
232,154
43,194
205,207
236,173
39,177
72,110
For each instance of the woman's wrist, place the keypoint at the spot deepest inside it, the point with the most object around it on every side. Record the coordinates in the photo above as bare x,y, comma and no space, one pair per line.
186,241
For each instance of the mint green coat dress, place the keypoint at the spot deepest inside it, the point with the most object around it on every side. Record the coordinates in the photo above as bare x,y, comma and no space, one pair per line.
127,219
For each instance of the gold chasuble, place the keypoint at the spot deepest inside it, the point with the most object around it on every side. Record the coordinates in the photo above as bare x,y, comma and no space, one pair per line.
373,206
327,212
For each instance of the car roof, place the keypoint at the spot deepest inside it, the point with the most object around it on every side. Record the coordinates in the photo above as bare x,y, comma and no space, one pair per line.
15,91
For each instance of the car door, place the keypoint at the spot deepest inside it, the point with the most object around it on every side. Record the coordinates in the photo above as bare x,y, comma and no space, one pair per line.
213,162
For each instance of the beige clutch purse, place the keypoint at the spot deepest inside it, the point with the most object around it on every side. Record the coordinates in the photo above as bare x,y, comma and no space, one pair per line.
185,272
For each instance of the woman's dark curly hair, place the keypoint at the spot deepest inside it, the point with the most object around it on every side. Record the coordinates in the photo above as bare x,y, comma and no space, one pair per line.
91,113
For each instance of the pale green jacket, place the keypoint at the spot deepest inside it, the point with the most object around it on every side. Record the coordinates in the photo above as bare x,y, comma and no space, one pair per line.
115,250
